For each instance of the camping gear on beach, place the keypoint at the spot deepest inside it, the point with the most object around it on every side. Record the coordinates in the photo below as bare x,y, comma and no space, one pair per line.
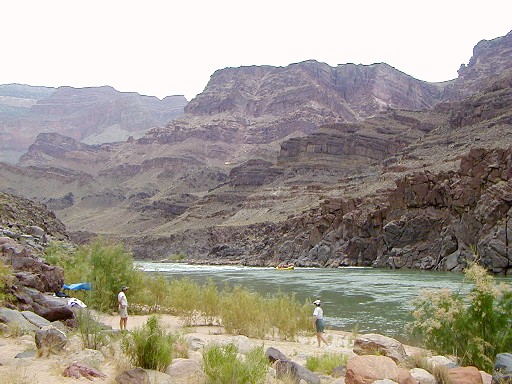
78,287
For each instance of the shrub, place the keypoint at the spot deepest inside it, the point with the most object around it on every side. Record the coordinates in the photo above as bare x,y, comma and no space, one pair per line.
210,304
107,266
111,268
244,313
149,347
152,293
285,315
326,363
91,331
222,365
473,325
186,297
6,279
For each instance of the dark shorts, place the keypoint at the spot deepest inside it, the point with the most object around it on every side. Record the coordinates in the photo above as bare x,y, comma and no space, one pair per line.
319,324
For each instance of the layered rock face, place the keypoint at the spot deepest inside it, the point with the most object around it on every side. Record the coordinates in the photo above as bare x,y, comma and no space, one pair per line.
262,105
430,221
92,115
490,59
320,166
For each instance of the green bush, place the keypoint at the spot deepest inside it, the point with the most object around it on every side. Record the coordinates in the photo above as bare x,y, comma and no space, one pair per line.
222,365
149,347
107,266
210,303
186,298
151,294
244,313
285,315
6,279
112,268
474,326
91,331
326,363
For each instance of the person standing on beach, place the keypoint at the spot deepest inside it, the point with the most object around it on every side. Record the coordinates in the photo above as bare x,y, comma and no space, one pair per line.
123,308
318,323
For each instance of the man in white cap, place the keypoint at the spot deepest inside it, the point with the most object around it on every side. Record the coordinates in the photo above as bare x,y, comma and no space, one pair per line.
123,308
318,322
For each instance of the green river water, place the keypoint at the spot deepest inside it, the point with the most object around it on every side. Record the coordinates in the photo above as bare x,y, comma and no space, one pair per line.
364,299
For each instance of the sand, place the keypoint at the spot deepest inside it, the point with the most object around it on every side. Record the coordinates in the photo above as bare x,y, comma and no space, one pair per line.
110,361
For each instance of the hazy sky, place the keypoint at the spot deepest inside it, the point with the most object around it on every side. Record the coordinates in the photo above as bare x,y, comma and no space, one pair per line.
161,48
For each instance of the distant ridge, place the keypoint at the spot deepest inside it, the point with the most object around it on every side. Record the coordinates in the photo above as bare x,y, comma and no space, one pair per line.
93,115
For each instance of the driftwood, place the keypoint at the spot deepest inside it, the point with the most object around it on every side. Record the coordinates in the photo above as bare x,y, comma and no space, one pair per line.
78,370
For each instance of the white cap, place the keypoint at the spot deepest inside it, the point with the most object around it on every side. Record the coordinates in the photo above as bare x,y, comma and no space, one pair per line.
317,302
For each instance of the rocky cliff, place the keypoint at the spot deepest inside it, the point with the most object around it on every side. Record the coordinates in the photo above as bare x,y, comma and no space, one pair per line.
264,105
321,166
26,230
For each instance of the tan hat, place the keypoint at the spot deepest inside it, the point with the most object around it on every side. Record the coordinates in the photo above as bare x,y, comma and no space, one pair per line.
125,288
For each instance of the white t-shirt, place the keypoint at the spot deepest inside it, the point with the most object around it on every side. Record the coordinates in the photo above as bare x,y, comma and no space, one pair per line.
121,298
319,313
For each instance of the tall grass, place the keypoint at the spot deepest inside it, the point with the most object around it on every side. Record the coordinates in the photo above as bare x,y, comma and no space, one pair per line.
326,363
288,315
473,326
245,313
6,279
211,303
91,331
186,299
222,365
108,267
149,347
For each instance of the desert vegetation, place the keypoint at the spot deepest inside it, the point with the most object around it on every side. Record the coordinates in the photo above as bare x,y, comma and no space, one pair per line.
6,278
222,365
473,324
108,266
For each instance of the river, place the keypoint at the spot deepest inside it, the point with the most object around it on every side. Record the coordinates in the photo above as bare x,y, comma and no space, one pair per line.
364,299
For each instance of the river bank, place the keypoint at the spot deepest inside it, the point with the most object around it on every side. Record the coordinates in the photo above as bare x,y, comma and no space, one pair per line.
32,369
366,300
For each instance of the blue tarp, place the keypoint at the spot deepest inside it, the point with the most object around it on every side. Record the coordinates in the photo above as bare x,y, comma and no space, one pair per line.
78,287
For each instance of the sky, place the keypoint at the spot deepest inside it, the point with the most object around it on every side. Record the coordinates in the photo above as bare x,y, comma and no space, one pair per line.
168,47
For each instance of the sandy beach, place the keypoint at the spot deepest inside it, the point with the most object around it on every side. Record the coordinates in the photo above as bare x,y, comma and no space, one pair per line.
110,361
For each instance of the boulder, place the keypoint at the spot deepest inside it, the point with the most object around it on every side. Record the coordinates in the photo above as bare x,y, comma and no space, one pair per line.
133,376
486,377
50,339
49,307
385,381
287,368
502,373
35,319
157,377
372,343
184,370
405,377
366,369
78,370
275,354
16,318
465,375
438,360
422,376
194,342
